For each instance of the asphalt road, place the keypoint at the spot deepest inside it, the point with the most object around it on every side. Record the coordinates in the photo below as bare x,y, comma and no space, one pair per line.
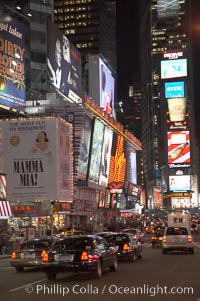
156,277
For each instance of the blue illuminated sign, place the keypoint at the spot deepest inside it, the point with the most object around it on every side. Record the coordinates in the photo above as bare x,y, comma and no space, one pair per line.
174,89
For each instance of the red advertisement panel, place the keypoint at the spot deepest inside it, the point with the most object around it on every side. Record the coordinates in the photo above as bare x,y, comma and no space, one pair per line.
178,147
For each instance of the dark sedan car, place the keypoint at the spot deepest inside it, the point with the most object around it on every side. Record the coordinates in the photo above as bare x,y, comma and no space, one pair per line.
127,246
86,253
156,239
30,253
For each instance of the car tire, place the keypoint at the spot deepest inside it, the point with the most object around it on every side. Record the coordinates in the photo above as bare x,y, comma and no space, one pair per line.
192,251
114,266
19,269
51,276
164,252
99,269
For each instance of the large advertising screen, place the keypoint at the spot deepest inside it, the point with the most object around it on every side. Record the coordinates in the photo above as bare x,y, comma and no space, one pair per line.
105,160
96,151
174,89
168,8
178,147
179,183
85,148
131,164
12,63
40,169
173,68
101,84
107,86
63,64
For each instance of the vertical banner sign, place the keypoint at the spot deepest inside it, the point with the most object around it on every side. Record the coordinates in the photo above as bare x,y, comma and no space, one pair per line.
96,151
85,148
64,162
12,62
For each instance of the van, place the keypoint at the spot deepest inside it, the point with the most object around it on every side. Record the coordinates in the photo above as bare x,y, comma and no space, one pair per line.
178,239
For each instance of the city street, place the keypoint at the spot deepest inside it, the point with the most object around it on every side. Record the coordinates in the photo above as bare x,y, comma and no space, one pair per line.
170,277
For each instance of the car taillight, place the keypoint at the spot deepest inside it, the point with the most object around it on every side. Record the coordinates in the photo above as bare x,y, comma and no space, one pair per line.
45,256
13,255
84,256
164,239
154,238
126,247
189,238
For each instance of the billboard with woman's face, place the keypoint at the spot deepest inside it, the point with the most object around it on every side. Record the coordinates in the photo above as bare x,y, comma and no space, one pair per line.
179,183
101,84
106,88
12,62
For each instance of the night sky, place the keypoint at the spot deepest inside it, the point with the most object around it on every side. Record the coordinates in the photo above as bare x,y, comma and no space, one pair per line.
127,44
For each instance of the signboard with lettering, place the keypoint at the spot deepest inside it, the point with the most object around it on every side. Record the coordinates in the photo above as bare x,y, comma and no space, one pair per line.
12,62
38,159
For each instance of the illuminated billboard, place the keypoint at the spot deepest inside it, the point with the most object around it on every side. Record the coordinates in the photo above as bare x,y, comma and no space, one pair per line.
63,64
178,147
180,202
179,183
106,152
106,88
177,109
101,84
133,190
96,151
118,160
131,164
173,68
85,148
41,169
168,8
12,62
174,89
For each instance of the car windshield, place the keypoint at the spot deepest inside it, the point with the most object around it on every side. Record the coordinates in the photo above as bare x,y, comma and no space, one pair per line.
133,231
78,243
117,239
176,231
158,233
36,244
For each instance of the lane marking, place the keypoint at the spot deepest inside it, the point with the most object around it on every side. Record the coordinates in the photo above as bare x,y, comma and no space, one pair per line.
28,284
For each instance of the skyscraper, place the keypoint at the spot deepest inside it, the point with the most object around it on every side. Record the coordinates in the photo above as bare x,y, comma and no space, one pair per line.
166,46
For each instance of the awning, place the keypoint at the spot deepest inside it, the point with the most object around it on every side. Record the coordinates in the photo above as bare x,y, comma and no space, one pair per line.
5,210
